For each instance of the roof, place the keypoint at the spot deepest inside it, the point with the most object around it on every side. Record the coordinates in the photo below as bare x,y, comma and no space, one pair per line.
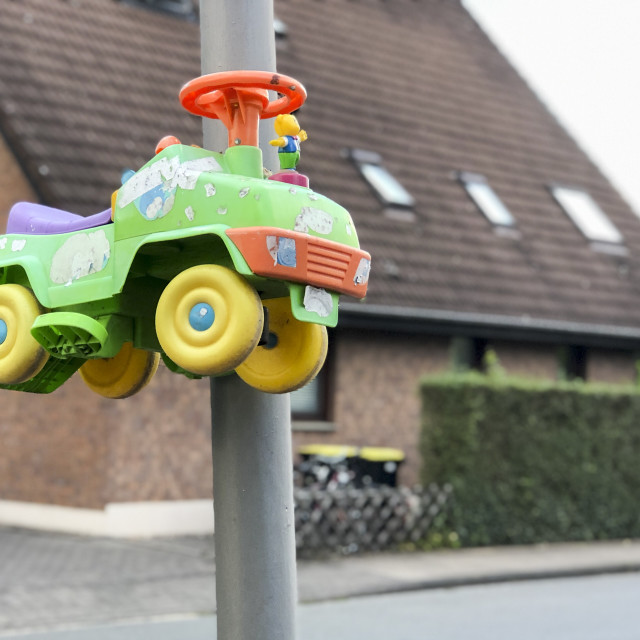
87,87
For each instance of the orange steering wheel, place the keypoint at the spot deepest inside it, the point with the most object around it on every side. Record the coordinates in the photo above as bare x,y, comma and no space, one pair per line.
240,99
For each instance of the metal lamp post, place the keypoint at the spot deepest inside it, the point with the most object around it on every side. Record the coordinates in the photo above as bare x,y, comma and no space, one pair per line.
251,430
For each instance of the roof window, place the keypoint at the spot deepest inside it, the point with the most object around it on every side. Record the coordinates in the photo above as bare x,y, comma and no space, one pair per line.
486,199
280,28
586,215
386,187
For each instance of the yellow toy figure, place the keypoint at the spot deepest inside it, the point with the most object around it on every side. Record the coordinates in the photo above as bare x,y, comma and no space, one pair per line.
290,136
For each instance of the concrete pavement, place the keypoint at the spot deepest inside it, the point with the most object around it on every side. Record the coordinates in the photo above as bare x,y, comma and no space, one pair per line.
393,572
53,581
585,608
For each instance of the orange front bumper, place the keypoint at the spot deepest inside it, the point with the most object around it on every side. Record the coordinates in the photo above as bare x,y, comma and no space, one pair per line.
298,257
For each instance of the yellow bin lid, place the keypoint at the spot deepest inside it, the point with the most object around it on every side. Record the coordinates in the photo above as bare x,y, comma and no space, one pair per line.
329,450
381,454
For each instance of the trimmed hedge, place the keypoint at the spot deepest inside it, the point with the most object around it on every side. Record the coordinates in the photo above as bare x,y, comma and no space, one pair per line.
531,461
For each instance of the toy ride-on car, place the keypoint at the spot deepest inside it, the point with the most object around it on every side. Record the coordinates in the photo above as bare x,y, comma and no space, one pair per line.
201,260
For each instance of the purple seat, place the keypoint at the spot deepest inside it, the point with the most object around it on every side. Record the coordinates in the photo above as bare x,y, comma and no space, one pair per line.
38,219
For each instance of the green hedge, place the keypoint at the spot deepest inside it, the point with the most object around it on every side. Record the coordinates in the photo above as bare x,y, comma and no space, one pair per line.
533,462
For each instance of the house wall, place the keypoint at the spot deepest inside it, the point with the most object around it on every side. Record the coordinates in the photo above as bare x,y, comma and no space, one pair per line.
376,375
375,391
55,447
74,448
612,366
77,449
160,442
527,360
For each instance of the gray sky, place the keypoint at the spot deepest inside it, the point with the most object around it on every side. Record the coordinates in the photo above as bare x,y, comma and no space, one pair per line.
582,57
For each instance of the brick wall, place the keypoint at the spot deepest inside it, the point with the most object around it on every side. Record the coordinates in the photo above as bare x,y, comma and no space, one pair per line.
75,448
527,360
160,448
613,366
375,391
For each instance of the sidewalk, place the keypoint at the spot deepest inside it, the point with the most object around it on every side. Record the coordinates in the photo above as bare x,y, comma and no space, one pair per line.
388,573
53,581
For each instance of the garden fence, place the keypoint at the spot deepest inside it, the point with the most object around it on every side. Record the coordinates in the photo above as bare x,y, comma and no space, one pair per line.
353,520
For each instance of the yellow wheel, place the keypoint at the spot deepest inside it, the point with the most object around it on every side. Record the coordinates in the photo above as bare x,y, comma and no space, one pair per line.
209,319
21,356
123,375
293,355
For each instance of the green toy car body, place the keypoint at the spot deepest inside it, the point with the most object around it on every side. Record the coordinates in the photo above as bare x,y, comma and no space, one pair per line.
98,281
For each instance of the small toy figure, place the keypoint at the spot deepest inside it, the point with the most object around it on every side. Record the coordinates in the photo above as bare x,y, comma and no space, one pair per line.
290,136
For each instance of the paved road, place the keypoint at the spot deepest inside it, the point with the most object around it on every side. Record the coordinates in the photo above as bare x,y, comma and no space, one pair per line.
588,608
55,581
50,580
594,608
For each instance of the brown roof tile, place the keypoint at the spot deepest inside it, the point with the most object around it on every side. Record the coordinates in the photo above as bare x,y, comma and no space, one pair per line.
87,87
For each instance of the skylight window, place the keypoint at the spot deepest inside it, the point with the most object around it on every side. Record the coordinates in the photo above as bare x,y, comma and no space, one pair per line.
587,215
386,186
486,199
280,28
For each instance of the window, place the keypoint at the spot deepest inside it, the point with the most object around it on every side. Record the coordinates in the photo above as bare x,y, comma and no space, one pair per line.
280,28
572,363
486,199
468,354
386,187
586,215
308,402
310,405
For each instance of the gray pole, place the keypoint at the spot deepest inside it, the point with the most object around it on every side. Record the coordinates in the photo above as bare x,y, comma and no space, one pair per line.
238,34
251,431
253,503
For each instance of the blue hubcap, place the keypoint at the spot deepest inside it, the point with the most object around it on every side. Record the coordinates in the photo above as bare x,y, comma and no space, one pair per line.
272,341
3,331
201,316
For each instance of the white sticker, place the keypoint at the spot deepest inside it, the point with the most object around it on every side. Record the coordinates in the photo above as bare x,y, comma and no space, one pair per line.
18,245
190,213
154,208
362,272
272,248
168,204
147,179
168,173
188,172
315,219
318,301
80,256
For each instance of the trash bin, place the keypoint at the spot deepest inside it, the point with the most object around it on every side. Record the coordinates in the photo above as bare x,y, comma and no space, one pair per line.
327,464
377,465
